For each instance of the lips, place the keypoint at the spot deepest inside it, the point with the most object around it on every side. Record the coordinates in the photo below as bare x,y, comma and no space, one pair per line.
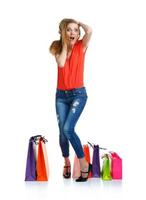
72,38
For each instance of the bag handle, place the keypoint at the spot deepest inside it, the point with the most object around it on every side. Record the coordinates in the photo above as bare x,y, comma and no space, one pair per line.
92,145
38,137
44,139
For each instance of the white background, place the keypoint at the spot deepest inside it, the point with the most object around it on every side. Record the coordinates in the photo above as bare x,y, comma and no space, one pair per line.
115,78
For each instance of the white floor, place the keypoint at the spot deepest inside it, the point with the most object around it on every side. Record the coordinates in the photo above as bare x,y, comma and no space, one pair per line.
13,185
60,188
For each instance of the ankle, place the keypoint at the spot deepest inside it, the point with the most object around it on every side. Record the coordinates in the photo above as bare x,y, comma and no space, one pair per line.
85,167
66,164
66,161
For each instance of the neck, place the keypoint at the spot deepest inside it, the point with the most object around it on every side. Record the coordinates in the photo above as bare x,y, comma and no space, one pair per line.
70,47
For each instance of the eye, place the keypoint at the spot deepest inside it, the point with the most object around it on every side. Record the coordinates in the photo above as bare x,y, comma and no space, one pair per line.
76,30
68,29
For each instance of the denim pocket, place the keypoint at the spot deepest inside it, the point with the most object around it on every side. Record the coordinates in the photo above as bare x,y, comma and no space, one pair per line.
80,92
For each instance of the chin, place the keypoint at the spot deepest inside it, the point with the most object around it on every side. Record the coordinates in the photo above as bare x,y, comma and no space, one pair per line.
73,42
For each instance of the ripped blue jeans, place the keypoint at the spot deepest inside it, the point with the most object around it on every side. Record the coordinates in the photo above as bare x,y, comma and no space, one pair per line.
69,106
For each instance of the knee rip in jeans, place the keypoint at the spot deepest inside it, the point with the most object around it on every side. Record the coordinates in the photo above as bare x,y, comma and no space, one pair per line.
75,104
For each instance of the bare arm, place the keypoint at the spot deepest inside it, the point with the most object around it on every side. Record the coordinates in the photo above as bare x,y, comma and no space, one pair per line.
61,58
87,36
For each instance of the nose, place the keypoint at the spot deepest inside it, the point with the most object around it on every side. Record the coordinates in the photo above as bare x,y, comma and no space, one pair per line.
72,30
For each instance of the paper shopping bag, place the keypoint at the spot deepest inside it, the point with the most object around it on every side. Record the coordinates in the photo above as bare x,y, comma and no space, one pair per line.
41,167
76,168
45,156
87,156
96,162
116,166
30,173
106,168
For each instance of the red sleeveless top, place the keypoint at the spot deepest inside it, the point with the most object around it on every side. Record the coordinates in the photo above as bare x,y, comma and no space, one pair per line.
71,75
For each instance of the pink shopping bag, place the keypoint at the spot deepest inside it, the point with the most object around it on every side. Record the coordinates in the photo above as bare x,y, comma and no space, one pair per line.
116,166
45,156
76,168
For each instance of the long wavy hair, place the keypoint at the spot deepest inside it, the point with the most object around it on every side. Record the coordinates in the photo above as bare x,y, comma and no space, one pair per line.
56,46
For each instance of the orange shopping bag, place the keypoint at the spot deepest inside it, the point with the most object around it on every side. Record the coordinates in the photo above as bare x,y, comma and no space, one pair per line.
87,156
42,165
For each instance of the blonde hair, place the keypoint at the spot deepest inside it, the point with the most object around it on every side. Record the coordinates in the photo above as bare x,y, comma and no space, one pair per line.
56,46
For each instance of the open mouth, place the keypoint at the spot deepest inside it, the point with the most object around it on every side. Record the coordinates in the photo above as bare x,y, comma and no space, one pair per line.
72,38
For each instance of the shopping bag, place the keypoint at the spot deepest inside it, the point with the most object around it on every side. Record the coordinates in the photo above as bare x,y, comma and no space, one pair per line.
96,162
116,166
45,156
76,168
41,167
87,156
30,173
106,168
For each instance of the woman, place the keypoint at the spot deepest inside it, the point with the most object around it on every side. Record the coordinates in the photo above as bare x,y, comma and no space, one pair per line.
71,94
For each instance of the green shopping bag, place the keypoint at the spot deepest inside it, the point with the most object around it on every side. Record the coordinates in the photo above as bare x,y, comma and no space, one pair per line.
106,168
